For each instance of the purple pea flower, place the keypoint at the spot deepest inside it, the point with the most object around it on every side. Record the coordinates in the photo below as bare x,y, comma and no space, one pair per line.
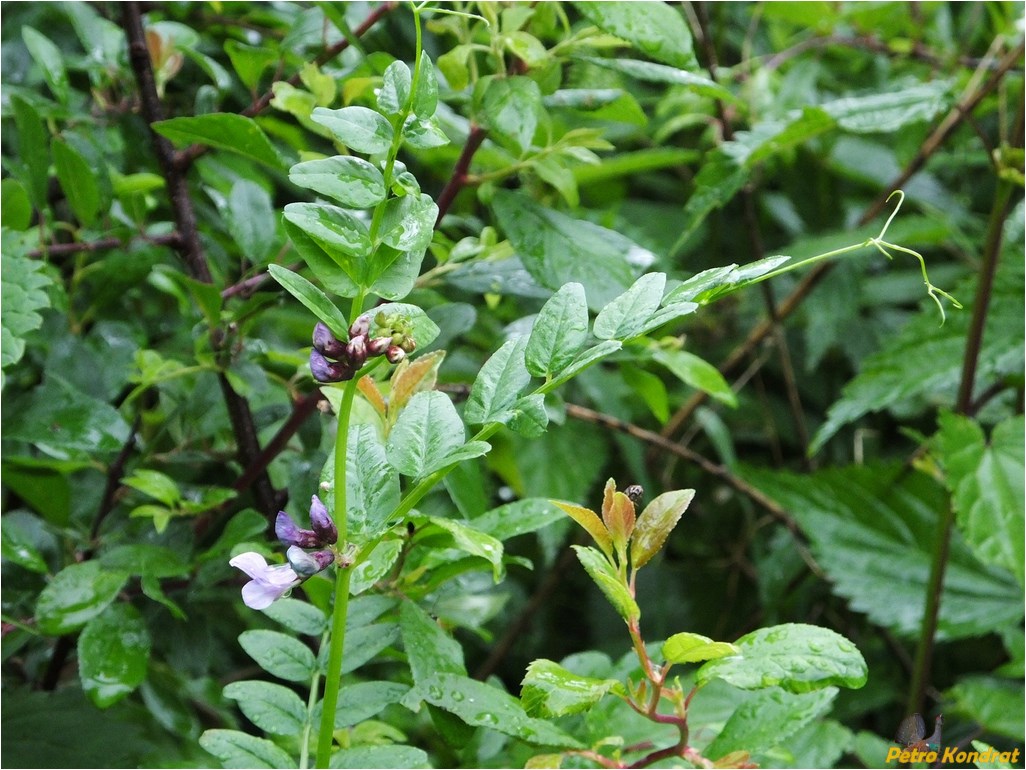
268,583
322,524
326,343
325,371
307,564
289,533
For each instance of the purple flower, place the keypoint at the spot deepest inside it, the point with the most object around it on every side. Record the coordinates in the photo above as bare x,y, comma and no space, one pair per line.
356,352
325,342
360,326
323,526
325,371
289,533
307,564
268,583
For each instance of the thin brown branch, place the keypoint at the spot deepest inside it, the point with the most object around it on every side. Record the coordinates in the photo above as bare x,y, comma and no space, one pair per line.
114,473
459,172
66,249
303,408
185,157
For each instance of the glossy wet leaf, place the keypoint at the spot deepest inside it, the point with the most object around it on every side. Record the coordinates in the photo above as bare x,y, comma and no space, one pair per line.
364,643
656,29
498,384
605,577
591,522
363,700
626,315
223,131
358,128
351,181
76,595
372,485
694,648
298,616
50,60
408,223
656,522
113,654
510,109
794,656
395,88
584,359
313,298
251,220
769,719
425,98
549,690
339,233
429,649
279,654
236,749
470,540
273,708
379,757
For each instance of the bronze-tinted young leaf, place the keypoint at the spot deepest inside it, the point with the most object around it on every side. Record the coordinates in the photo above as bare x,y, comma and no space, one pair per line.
619,517
369,389
410,378
588,519
655,524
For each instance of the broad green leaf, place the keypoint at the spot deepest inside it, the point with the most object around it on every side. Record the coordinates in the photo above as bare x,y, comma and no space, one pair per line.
50,60
18,544
251,220
481,705
474,542
425,96
429,649
113,653
591,522
17,209
986,483
249,61
769,719
408,223
921,364
365,642
498,384
145,559
556,249
379,757
78,181
510,108
223,131
273,708
23,285
584,359
298,616
656,29
427,433
517,518
694,648
279,654
994,704
864,523
709,285
666,314
363,700
372,485
885,113
157,485
424,134
606,578
236,749
655,524
819,744
358,128
325,267
375,565
33,150
64,422
697,373
313,298
353,182
549,690
410,378
795,656
423,329
76,595
339,233
395,88
631,163
996,761
529,416
626,315
660,73
526,46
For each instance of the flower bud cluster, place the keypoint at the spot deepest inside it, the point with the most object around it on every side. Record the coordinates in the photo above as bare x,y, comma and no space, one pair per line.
321,535
332,360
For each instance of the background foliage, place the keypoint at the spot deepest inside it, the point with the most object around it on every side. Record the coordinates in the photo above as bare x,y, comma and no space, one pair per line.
158,408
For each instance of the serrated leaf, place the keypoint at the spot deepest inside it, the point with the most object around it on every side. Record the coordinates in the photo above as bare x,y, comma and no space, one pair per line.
995,704
23,294
591,522
769,719
549,690
425,96
113,653
272,707
556,249
696,372
606,578
498,384
396,83
655,524
655,29
430,650
481,705
626,315
353,182
864,523
510,108
236,749
358,128
223,131
76,595
279,654
795,656
986,483
474,542
313,298
923,361
695,648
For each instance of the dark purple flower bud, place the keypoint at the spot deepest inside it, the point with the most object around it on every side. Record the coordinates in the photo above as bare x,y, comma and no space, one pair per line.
325,371
325,342
356,352
289,533
378,346
360,326
321,522
306,564
395,354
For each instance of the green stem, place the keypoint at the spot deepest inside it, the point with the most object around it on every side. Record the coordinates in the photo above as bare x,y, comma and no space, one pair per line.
304,743
333,678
